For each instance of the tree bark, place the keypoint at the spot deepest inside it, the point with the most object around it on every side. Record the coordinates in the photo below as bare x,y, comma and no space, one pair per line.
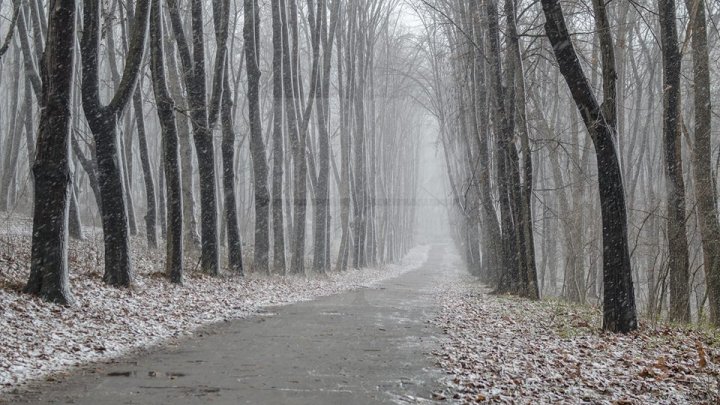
277,139
194,76
234,244
251,35
676,232
504,129
102,121
170,142
619,313
192,236
321,260
151,214
48,265
529,271
702,158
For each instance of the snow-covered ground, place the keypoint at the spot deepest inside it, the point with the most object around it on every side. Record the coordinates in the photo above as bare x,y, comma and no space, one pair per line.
510,350
39,339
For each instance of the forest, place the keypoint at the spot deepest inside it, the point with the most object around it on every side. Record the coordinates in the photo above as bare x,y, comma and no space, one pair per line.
207,158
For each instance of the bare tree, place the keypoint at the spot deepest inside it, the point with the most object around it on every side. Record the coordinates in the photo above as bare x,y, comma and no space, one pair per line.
194,75
102,120
677,235
702,157
619,314
49,268
170,141
251,34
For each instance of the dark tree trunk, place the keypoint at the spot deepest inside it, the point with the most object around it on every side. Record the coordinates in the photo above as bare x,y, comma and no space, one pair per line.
102,121
619,314
702,158
118,268
251,34
504,126
491,246
48,267
528,271
170,142
89,167
677,235
300,146
607,55
203,146
194,75
192,237
151,215
221,104
277,139
322,193
290,72
234,243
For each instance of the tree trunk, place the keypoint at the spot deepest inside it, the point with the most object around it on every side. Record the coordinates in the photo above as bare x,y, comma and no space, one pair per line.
195,77
277,139
676,232
344,188
619,314
102,121
192,237
322,201
702,158
504,128
234,244
14,135
48,266
251,35
529,270
170,142
151,214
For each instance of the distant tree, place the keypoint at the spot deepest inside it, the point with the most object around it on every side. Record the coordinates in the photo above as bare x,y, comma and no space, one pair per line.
151,215
11,29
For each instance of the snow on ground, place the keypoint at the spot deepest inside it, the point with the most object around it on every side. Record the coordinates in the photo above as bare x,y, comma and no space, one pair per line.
510,350
39,339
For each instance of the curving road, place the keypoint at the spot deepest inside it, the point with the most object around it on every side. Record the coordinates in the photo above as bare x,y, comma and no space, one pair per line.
361,347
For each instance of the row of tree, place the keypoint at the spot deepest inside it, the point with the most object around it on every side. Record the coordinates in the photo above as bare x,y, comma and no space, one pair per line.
529,200
305,128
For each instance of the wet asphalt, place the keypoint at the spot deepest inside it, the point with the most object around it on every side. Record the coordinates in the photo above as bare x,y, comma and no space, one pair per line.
370,346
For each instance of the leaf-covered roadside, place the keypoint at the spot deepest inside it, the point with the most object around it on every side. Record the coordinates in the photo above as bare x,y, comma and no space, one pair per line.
504,349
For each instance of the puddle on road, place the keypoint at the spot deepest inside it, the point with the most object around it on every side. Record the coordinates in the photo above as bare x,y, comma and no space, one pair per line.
332,313
153,374
121,374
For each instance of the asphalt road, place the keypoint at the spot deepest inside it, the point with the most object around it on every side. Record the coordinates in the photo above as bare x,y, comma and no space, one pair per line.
361,347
